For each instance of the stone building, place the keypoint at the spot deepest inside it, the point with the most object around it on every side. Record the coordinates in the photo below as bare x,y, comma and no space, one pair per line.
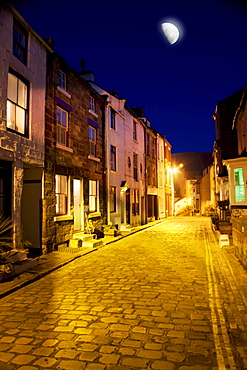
22,129
74,180
125,160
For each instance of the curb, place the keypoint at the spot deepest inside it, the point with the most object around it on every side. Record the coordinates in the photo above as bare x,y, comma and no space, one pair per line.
44,273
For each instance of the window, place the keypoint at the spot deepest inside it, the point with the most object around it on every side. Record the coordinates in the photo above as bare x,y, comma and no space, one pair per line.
113,119
239,185
61,185
134,130
20,36
92,140
135,202
91,104
62,80
17,103
113,164
92,196
135,163
62,126
129,162
112,198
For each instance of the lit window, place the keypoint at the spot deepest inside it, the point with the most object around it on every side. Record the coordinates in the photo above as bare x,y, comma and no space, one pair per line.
92,140
113,161
239,184
135,163
135,202
17,103
112,198
61,194
92,195
113,119
134,130
91,104
62,80
62,126
20,36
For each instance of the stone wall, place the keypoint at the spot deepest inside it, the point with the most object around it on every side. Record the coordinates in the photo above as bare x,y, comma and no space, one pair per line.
239,234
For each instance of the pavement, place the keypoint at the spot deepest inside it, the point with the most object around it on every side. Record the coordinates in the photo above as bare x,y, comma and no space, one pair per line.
54,260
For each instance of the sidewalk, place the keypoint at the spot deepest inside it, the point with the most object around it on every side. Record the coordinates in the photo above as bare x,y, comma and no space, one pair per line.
53,261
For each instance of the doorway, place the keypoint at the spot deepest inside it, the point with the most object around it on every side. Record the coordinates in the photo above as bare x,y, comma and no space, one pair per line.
78,217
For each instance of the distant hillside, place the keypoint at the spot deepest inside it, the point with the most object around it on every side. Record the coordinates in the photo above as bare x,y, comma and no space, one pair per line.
194,162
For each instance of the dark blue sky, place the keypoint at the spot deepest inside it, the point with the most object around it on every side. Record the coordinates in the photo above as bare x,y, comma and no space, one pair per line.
179,85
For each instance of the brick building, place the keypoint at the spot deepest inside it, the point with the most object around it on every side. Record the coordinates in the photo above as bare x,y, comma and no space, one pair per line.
74,182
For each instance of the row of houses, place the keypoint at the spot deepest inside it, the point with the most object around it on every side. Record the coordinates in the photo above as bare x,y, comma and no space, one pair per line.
220,190
71,151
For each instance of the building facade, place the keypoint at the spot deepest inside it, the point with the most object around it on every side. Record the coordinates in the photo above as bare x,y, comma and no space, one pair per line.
74,181
22,127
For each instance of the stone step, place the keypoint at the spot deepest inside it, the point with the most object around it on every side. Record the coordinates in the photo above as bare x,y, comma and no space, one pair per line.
82,236
93,243
63,249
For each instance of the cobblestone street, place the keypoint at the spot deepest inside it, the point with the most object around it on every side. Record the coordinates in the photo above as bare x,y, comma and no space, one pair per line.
164,298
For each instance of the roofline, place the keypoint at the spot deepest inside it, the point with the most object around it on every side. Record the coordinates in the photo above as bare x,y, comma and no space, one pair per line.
28,27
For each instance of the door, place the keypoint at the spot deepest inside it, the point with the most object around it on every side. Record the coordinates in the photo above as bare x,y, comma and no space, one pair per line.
78,219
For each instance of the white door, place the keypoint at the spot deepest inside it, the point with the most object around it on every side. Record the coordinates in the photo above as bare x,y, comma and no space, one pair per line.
78,207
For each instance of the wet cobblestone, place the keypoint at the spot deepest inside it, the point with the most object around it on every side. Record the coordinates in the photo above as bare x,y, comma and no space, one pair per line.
159,299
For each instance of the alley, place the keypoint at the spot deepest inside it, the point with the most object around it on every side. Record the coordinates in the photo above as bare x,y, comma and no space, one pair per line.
164,298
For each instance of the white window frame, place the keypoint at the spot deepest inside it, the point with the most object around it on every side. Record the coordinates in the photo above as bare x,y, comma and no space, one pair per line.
92,140
17,103
93,196
62,80
62,189
62,127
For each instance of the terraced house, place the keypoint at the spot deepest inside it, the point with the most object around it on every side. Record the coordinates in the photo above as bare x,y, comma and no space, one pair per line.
71,152
22,126
74,155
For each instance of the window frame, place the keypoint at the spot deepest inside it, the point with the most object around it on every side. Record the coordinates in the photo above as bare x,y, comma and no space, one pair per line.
113,158
20,48
17,105
93,195
135,203
62,210
92,140
92,104
135,166
62,80
62,128
135,130
112,119
113,199
239,185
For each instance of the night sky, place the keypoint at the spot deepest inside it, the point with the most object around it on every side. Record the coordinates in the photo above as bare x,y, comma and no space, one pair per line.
122,42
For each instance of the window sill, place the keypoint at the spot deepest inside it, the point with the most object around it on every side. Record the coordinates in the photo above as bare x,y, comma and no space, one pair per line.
93,113
93,158
94,214
60,146
114,172
64,92
63,218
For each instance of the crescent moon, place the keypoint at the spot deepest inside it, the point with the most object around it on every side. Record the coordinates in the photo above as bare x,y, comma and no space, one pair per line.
171,32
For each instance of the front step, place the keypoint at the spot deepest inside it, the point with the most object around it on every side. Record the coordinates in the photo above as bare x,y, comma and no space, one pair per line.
87,240
79,242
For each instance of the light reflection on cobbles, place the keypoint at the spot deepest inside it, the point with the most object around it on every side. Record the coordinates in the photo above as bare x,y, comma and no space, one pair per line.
139,303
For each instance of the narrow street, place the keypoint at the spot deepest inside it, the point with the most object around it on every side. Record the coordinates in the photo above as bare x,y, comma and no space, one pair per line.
164,298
